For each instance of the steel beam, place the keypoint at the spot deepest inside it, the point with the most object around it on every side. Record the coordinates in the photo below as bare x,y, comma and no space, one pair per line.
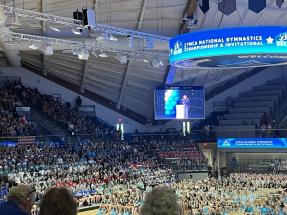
82,84
79,24
44,29
126,74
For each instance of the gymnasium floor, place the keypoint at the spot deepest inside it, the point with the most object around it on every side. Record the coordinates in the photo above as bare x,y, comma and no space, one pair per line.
92,212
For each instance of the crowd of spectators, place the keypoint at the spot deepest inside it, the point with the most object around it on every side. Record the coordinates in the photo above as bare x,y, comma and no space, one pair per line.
15,94
96,171
245,193
117,175
182,155
11,123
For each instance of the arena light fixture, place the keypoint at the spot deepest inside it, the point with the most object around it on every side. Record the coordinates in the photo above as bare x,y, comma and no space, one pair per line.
107,36
112,38
84,54
154,63
103,55
123,59
94,52
130,42
77,31
54,28
33,46
103,36
75,52
47,49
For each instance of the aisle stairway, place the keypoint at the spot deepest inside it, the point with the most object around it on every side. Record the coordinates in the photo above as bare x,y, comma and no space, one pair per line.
49,125
245,112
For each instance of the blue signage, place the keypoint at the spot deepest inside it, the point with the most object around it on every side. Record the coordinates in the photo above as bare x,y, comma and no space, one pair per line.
254,143
230,48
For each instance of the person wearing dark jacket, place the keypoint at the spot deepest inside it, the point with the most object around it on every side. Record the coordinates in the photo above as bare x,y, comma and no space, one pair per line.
20,201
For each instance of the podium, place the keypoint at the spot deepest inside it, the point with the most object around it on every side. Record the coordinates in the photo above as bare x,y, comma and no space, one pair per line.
181,112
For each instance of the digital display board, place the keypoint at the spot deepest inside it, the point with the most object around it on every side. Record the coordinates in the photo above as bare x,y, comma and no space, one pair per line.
230,48
254,143
185,102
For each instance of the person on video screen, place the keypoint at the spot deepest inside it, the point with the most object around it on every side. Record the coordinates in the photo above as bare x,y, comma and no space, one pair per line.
185,100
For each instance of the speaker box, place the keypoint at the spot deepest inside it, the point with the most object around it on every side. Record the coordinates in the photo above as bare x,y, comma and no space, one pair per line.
89,17
78,15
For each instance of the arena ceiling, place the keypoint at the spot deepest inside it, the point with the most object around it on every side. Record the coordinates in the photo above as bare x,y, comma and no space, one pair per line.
131,85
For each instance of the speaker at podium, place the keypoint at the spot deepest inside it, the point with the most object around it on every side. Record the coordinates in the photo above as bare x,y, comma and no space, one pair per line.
181,112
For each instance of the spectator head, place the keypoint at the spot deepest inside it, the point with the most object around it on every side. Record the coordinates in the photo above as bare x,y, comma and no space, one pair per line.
161,201
24,196
58,200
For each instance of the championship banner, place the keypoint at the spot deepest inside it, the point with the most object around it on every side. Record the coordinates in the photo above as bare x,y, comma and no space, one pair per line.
28,140
256,5
230,48
252,143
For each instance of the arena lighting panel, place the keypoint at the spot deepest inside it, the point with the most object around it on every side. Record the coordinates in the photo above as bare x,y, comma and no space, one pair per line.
230,48
21,39
48,40
78,24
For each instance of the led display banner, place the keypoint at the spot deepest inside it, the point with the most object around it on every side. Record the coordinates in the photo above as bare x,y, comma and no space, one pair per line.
230,48
174,102
254,143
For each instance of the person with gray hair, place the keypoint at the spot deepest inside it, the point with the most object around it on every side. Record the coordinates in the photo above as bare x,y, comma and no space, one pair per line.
20,201
161,200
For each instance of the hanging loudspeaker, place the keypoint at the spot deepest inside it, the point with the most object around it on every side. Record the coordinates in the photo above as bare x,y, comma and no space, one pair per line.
256,5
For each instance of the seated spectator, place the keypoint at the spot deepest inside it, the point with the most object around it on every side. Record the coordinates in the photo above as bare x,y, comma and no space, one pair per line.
58,200
20,201
161,201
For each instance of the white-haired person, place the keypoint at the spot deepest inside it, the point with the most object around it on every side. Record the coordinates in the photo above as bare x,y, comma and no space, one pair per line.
20,201
161,200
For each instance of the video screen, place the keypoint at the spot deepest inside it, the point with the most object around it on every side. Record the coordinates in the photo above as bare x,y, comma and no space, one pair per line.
173,102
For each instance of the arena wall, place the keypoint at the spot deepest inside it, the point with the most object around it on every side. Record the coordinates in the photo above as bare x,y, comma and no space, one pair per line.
111,117
30,79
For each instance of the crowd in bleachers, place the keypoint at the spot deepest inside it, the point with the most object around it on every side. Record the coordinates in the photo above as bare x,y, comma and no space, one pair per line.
96,171
116,175
246,193
184,155
15,94
11,123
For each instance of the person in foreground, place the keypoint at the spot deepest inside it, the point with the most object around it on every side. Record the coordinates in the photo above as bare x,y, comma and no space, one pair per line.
20,201
58,200
161,201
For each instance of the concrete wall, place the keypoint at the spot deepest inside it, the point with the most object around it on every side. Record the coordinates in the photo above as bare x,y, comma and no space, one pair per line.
48,87
45,86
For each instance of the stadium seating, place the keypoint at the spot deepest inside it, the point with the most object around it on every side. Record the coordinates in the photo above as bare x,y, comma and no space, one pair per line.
253,110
